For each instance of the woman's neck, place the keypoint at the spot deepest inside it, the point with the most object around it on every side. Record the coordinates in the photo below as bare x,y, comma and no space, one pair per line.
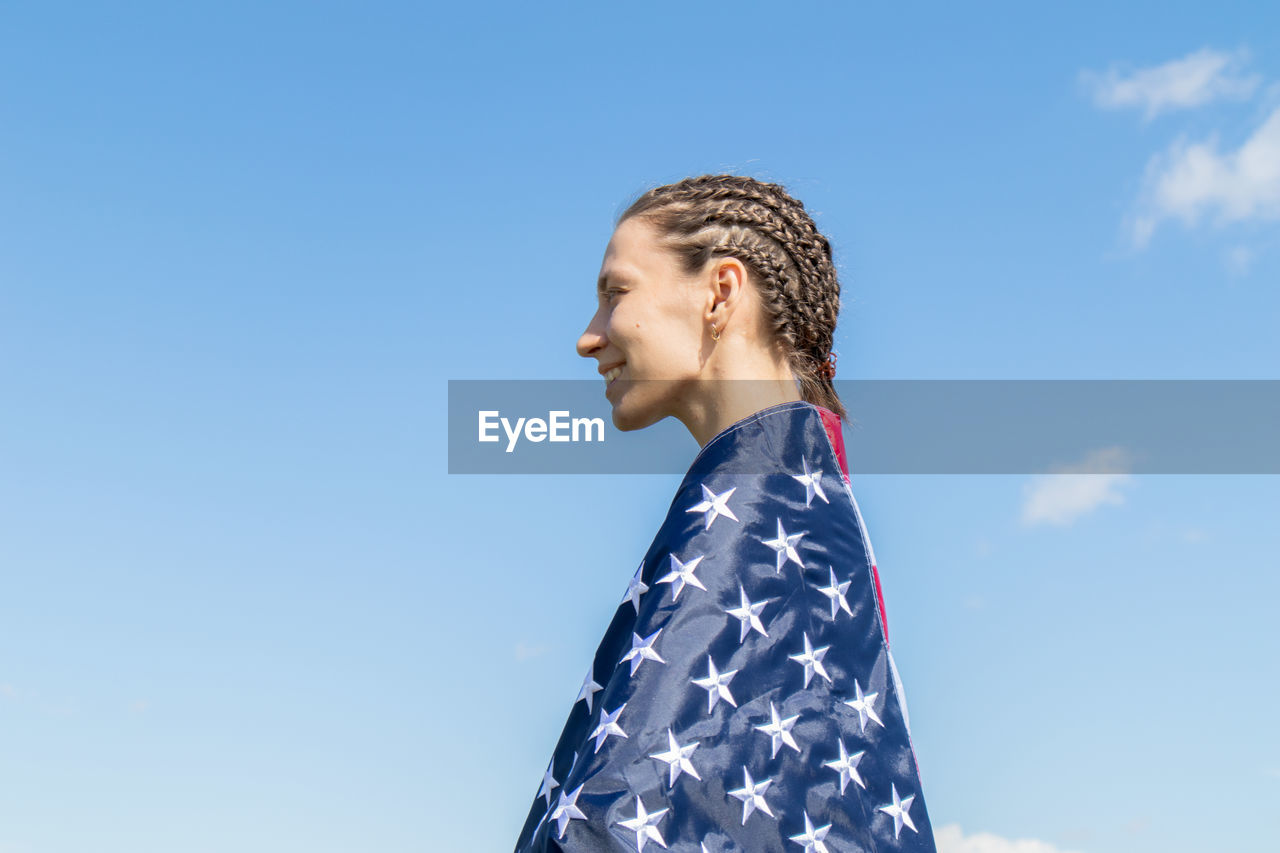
734,390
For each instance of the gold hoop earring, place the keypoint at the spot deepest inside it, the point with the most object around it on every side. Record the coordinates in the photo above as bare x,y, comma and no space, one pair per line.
715,336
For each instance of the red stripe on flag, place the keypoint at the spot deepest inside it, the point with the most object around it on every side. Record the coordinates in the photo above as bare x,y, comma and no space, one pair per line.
884,620
831,422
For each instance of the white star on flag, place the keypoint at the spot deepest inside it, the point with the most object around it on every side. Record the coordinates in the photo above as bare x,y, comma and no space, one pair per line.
635,589
785,547
567,810
779,730
836,593
682,574
812,839
549,783
847,766
749,614
644,825
863,705
589,688
677,759
812,482
898,811
752,796
717,685
642,650
811,660
714,505
608,726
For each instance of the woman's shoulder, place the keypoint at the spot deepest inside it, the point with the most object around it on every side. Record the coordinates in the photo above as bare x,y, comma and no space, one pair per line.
773,440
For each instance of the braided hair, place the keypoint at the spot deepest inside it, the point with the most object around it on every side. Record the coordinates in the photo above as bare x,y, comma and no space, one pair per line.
772,234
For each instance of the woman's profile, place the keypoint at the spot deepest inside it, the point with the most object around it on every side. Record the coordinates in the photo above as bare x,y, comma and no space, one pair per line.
743,697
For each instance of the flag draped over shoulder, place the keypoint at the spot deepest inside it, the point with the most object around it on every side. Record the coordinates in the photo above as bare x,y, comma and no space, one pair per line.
744,697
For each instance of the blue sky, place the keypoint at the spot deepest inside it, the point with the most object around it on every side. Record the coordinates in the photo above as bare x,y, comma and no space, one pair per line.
242,605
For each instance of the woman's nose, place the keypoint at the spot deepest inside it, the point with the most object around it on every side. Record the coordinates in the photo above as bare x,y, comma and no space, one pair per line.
593,339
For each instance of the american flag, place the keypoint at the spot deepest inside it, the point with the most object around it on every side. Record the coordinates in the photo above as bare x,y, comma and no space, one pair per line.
743,697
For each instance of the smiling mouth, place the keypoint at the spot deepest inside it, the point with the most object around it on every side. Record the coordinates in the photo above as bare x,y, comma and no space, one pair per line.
611,375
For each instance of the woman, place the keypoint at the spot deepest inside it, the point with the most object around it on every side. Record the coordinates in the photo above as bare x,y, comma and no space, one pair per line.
743,697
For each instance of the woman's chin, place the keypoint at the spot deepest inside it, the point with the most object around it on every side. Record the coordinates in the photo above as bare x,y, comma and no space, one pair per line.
628,417
626,421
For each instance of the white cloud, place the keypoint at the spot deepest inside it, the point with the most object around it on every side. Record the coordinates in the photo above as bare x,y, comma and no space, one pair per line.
1191,180
1062,497
1194,534
1239,259
528,651
1197,79
950,839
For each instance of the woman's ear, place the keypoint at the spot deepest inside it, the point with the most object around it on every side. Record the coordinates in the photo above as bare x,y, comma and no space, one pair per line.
728,290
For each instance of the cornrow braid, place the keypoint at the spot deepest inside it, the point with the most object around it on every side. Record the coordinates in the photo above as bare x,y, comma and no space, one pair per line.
773,235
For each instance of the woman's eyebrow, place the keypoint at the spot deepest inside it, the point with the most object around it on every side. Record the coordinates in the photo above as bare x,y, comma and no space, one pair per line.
605,277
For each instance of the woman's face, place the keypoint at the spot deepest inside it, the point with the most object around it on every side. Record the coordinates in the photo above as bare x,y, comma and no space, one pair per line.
647,334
